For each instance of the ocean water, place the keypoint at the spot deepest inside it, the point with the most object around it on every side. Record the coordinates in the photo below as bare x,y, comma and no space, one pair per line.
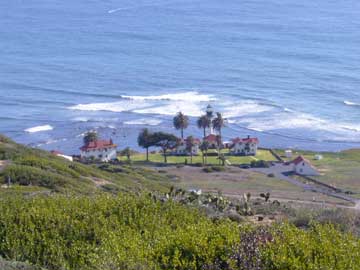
285,71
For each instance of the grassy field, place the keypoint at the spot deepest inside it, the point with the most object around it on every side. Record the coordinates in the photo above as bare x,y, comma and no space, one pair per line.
341,169
34,171
234,160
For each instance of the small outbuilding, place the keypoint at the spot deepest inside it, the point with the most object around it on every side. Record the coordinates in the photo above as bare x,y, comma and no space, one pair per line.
303,166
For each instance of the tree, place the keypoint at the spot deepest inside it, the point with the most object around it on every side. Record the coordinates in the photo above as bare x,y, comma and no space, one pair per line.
146,140
190,143
204,147
203,122
181,121
127,153
90,136
165,141
219,123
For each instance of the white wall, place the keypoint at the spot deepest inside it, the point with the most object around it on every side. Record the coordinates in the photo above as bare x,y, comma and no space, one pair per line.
240,147
109,154
304,168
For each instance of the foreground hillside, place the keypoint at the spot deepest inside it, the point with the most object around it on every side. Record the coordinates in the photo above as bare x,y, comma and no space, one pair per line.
62,215
138,232
36,171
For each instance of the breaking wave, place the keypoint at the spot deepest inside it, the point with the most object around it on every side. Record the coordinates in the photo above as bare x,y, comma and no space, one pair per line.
39,129
350,103
143,121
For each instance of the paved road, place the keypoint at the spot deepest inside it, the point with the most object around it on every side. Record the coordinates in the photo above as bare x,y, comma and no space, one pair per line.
280,171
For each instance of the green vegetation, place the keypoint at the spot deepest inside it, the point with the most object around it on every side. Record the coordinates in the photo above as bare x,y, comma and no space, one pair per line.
130,232
60,215
211,160
340,170
32,168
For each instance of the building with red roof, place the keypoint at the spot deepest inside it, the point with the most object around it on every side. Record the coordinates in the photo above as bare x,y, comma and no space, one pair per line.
182,147
244,146
303,166
104,150
213,140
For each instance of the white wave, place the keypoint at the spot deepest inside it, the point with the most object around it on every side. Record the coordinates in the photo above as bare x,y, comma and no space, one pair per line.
39,129
303,121
191,96
189,108
245,108
143,121
350,103
118,106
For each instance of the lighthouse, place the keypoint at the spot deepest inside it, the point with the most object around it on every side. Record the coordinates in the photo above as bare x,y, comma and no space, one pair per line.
211,116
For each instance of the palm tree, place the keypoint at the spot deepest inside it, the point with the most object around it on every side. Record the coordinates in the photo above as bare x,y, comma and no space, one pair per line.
218,124
90,136
203,122
204,147
181,121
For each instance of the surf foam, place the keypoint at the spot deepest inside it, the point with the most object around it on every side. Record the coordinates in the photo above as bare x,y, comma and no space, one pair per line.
143,121
350,103
39,129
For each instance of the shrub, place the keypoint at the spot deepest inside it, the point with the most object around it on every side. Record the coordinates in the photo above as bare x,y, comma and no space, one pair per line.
218,168
208,170
259,164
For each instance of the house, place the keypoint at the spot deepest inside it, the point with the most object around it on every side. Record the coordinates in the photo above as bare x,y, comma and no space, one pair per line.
181,148
104,150
59,154
303,166
244,147
213,141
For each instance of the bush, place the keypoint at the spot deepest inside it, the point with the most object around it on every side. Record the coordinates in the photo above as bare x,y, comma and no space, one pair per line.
208,170
259,164
218,168
198,164
105,232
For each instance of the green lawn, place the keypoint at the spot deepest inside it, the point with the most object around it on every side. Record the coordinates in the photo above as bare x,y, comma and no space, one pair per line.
341,169
235,160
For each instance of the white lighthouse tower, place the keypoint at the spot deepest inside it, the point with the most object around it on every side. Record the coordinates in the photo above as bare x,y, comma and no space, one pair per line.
211,116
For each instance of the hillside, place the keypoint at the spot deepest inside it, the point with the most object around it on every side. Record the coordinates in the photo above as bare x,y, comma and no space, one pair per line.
36,171
89,217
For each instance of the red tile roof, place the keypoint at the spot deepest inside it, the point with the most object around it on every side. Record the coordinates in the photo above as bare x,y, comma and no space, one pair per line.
211,138
97,145
299,160
245,140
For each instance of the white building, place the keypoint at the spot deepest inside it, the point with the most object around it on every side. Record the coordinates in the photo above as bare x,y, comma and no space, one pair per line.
244,147
288,153
182,149
303,167
100,150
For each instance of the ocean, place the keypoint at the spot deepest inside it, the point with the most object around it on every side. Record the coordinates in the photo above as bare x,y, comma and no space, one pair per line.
285,71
